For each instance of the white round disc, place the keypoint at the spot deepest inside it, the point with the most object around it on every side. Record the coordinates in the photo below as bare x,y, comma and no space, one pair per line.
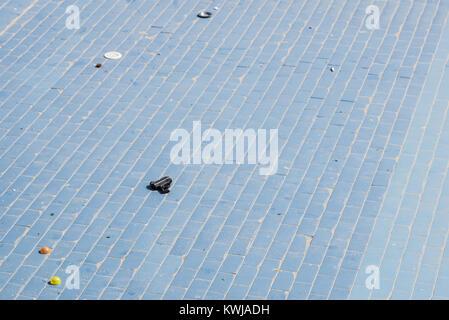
113,55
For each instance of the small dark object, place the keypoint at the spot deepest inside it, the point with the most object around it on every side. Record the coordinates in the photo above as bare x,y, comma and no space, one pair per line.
310,27
204,14
161,185
332,69
98,65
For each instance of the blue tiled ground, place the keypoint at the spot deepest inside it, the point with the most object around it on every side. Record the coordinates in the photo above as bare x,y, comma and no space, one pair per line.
363,163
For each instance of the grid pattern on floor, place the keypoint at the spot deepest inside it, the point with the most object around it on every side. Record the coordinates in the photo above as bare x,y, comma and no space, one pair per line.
363,149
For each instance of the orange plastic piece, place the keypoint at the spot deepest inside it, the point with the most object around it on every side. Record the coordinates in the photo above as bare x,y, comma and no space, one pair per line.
45,250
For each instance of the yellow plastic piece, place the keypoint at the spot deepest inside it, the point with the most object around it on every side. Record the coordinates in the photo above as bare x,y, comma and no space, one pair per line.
55,281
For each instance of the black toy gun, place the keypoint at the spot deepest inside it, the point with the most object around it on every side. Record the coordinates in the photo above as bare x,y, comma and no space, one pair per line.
162,185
